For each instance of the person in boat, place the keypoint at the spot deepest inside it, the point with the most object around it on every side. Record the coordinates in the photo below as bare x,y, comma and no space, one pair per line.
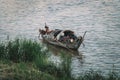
60,36
70,35
63,36
68,32
47,30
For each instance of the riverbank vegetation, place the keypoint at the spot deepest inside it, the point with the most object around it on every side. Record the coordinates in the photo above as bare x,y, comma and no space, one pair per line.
23,59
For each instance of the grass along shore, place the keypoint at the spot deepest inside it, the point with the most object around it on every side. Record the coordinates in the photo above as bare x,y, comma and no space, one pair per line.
24,59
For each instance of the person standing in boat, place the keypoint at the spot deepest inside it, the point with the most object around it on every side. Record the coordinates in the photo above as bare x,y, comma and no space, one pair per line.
47,31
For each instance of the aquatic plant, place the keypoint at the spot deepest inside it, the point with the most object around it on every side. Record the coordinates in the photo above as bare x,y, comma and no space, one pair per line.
62,71
20,50
2,49
23,59
22,71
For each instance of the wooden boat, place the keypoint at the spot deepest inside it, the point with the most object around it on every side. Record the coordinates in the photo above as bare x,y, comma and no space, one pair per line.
69,40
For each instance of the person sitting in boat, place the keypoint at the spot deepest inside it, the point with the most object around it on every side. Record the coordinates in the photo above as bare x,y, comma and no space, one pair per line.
60,36
70,35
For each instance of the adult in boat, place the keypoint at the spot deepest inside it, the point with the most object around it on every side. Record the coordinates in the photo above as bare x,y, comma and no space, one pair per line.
47,30
65,36
60,36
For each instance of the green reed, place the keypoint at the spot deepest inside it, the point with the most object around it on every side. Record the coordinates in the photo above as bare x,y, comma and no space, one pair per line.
20,50
23,59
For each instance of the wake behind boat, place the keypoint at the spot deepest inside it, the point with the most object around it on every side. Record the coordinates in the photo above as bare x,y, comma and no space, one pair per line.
63,38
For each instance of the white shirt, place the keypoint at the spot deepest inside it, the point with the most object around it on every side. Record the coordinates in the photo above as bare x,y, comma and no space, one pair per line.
59,35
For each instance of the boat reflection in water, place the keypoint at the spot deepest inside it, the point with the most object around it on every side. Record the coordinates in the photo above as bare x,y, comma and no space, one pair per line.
57,51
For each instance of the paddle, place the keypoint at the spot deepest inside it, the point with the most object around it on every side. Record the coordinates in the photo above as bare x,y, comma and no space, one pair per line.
83,38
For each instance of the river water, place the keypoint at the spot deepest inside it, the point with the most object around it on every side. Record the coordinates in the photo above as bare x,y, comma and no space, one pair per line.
100,18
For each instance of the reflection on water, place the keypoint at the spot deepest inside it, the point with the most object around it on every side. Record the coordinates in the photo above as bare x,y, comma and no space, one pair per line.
56,50
77,58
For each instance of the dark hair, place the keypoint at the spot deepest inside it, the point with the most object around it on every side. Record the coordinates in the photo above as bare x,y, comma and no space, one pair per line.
46,27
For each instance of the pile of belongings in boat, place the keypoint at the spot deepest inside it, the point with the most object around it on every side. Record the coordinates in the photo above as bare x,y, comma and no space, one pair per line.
64,36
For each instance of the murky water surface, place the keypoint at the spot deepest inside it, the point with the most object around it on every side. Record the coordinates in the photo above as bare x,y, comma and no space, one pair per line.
100,18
